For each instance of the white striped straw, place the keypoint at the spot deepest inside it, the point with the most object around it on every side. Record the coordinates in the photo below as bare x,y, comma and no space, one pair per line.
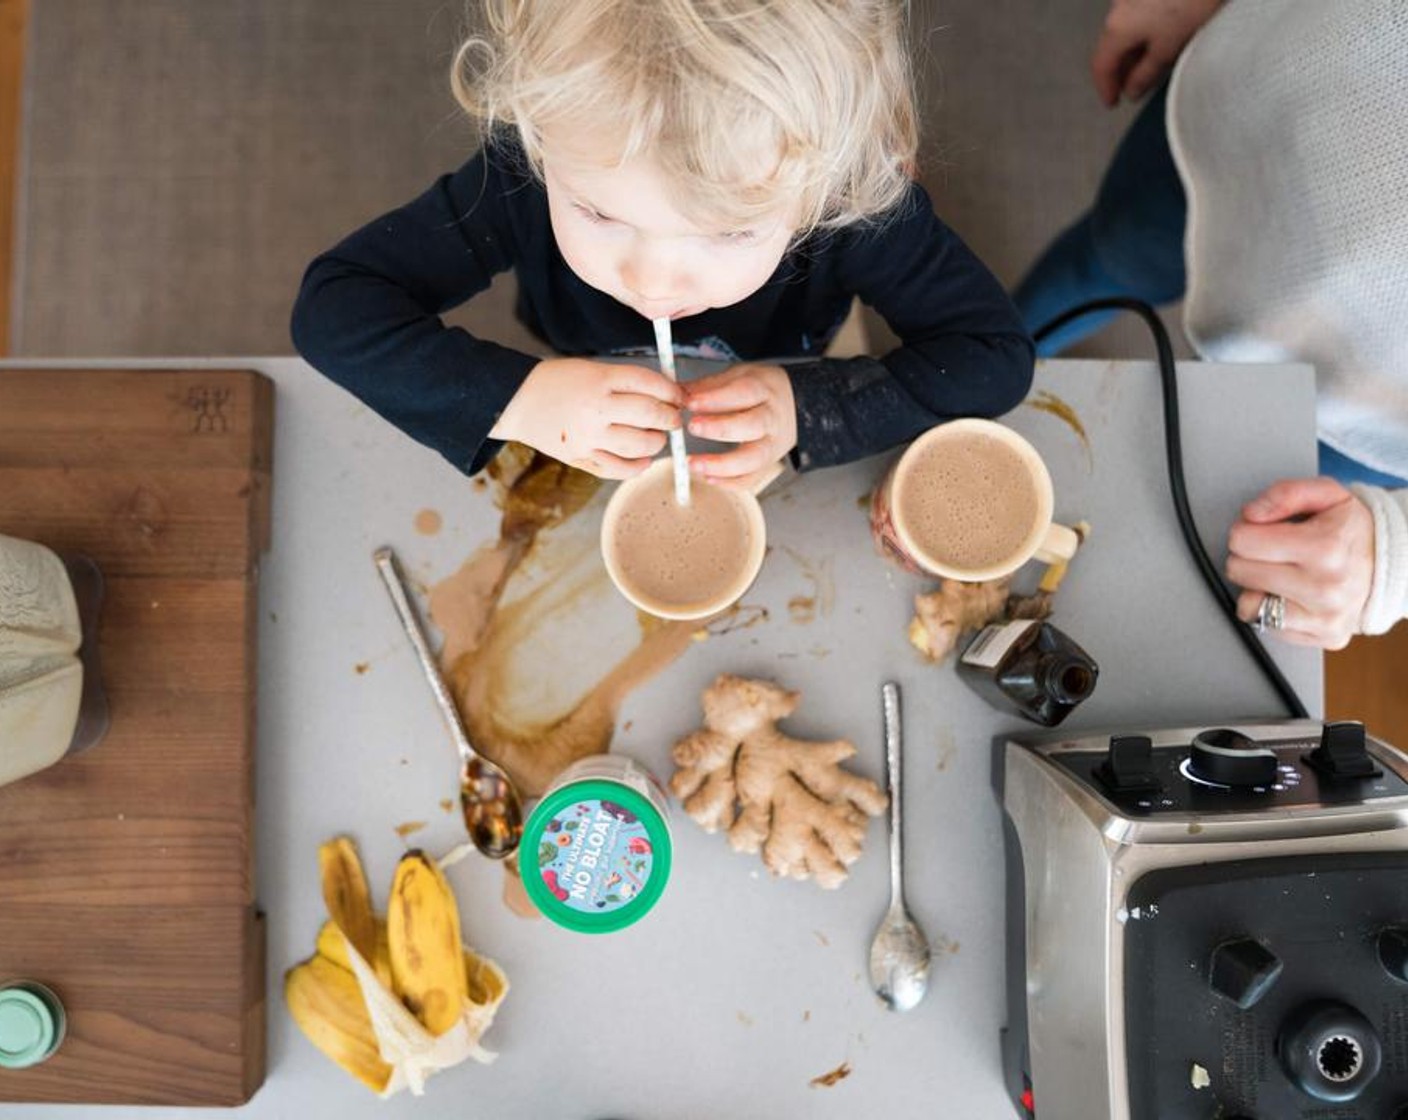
666,347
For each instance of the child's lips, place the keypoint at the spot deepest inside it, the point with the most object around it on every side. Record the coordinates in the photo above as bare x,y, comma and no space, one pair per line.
674,313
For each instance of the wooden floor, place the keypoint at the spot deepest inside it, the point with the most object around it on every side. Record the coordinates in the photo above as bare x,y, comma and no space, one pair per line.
1364,682
1369,682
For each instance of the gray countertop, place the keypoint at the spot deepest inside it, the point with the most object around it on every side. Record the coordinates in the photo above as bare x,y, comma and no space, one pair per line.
737,990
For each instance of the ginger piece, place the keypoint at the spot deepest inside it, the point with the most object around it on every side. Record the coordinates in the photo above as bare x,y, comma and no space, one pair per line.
789,797
942,616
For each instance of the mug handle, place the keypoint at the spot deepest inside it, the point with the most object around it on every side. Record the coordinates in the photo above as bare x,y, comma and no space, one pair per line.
1059,544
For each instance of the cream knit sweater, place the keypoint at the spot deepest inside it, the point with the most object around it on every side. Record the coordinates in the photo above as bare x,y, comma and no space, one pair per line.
1288,120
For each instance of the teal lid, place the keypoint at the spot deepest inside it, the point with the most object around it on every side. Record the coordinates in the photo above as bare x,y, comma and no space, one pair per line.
596,856
28,1029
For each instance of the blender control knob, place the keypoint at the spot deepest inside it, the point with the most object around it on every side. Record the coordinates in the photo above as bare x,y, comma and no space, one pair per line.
1393,952
1129,767
1230,758
1243,970
1343,752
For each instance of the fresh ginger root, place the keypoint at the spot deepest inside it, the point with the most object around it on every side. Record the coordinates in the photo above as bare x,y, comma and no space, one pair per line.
789,797
942,616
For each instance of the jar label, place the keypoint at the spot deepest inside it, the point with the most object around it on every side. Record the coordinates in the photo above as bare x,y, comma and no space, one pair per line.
595,856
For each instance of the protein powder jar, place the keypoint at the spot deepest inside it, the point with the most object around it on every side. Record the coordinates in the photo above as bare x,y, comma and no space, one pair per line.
596,849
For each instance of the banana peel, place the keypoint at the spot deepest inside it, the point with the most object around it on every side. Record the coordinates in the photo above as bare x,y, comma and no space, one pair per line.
485,980
345,894
392,1034
423,938
326,1003
332,944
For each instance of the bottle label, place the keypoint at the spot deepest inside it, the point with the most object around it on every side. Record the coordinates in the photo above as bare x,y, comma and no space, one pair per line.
987,650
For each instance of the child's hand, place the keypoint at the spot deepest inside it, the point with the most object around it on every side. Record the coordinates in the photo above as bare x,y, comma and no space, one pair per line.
1140,42
750,405
1312,542
609,420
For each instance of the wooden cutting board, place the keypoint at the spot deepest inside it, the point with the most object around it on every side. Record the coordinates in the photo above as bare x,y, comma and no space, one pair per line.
127,872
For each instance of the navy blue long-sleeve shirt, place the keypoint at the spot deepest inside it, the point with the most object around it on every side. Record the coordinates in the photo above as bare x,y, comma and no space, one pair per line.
368,316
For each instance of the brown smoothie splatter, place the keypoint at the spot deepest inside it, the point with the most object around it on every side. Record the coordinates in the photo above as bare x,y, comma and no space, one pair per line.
826,1080
822,600
1044,401
404,830
515,897
802,608
946,748
500,639
428,522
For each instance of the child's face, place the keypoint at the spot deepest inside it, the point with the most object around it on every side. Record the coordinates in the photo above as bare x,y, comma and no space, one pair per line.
619,232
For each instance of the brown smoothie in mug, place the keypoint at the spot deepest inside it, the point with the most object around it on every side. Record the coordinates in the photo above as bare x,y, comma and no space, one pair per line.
969,500
971,504
678,561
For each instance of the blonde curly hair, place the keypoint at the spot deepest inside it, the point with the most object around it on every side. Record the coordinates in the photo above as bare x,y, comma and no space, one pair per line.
748,107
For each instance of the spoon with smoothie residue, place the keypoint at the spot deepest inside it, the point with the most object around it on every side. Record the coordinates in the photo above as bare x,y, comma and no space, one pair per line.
899,955
492,807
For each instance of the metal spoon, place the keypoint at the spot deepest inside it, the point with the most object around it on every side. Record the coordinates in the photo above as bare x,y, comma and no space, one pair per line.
492,807
899,955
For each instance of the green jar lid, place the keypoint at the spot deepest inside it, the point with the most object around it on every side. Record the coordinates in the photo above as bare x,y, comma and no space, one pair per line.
596,856
29,1028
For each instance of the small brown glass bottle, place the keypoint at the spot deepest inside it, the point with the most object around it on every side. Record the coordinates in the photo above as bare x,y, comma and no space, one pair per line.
1030,667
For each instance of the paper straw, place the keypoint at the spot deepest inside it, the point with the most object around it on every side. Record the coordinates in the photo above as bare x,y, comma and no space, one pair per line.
666,347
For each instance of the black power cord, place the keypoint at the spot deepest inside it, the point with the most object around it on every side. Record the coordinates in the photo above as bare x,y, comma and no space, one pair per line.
1173,446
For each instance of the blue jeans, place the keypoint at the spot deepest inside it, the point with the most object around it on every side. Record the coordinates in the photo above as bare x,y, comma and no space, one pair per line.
1130,243
1347,470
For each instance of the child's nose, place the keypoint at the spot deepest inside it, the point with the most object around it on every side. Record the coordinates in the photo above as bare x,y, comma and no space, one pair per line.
650,278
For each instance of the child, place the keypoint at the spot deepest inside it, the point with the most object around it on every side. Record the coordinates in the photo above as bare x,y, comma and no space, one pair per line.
740,167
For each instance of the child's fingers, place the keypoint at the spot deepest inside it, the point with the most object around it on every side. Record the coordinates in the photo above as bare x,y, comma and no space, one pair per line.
633,443
640,411
604,464
647,382
723,393
733,427
742,461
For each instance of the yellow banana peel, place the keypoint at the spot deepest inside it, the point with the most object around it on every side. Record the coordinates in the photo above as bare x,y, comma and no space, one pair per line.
423,935
333,946
345,894
326,1003
485,980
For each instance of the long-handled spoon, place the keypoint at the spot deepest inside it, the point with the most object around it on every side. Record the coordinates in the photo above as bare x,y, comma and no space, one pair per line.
492,807
899,955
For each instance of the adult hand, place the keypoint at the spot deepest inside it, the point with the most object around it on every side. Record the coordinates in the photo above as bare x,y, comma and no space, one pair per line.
1310,541
610,420
1140,42
750,405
